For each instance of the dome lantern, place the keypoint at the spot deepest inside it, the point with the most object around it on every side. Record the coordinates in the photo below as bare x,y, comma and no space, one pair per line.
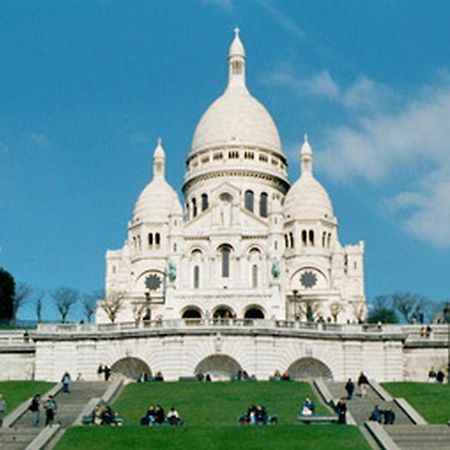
236,61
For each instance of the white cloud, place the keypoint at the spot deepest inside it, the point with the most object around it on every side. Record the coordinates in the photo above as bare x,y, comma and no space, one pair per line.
363,94
40,139
284,20
227,5
406,151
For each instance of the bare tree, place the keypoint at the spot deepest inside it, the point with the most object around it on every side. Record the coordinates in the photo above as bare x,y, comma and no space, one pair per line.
21,296
112,305
410,306
64,299
89,303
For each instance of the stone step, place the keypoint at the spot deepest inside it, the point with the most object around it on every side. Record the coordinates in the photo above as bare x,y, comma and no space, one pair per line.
419,437
17,438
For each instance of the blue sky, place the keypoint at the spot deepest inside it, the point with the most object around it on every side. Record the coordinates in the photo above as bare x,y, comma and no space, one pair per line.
86,87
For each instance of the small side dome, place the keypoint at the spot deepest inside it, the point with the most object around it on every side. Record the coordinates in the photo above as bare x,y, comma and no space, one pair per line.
158,200
307,198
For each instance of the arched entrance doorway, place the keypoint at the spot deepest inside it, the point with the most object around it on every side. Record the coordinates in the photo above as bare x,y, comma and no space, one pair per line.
309,368
220,367
129,368
254,312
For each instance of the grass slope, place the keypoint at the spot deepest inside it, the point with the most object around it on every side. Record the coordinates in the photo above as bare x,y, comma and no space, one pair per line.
211,411
215,403
16,392
432,401
280,437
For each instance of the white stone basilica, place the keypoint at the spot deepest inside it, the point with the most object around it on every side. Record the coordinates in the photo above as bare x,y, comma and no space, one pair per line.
247,244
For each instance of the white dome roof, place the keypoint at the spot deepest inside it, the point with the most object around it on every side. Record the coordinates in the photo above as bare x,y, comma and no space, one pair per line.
156,202
307,199
236,117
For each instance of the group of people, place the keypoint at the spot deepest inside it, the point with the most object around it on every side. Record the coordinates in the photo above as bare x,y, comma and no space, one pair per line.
378,415
50,408
104,415
363,382
436,377
105,371
278,376
257,415
155,415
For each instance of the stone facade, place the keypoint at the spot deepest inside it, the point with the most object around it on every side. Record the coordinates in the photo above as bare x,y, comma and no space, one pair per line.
247,244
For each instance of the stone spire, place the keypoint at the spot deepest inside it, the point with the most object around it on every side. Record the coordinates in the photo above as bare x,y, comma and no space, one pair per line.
159,158
236,61
306,157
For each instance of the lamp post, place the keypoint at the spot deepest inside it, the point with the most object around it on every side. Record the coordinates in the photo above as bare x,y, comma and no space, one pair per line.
447,321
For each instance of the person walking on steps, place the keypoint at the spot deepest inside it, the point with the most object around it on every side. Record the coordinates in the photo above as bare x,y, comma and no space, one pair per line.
349,387
65,383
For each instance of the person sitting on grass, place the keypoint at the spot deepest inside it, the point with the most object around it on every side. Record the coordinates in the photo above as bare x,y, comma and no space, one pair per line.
149,417
159,415
97,415
341,409
109,417
173,417
261,415
308,407
159,376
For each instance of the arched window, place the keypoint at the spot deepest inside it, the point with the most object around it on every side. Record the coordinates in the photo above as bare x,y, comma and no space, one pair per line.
225,251
194,208
254,276
329,240
205,204
286,241
249,200
157,239
311,237
150,239
304,238
196,277
324,237
263,210
291,240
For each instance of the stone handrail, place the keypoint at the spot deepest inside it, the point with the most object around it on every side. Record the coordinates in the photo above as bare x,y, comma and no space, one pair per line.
228,323
43,438
381,436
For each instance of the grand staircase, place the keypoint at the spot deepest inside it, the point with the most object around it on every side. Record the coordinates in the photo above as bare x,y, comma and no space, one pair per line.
20,434
360,408
404,434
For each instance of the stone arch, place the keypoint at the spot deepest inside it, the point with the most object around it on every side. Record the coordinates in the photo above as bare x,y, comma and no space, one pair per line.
191,312
254,312
129,368
220,367
309,368
223,312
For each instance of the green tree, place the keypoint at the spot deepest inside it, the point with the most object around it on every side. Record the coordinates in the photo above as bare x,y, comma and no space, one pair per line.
7,294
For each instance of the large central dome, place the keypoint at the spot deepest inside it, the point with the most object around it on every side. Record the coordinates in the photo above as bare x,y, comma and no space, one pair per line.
236,117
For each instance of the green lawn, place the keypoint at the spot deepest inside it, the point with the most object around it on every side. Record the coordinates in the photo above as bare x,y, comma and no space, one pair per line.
215,403
211,411
279,437
432,401
16,392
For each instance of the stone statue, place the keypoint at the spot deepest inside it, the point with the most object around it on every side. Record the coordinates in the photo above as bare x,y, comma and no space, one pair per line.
171,271
276,271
